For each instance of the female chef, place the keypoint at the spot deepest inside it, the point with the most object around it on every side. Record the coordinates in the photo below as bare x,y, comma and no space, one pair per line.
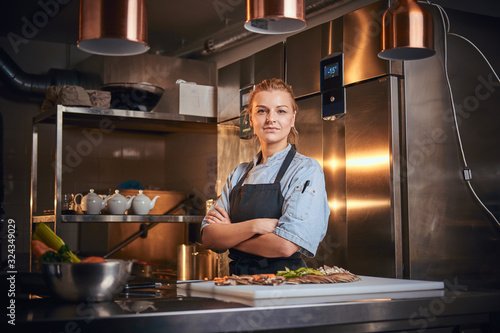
273,209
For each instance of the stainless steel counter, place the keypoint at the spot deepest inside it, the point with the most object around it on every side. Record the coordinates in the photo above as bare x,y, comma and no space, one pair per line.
457,309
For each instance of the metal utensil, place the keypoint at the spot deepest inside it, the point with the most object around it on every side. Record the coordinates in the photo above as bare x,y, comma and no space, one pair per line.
144,285
191,281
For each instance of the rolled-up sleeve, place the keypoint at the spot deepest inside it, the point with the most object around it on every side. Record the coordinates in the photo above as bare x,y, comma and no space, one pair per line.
305,210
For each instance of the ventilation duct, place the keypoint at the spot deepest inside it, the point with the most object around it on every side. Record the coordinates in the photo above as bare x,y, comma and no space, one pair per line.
237,34
35,85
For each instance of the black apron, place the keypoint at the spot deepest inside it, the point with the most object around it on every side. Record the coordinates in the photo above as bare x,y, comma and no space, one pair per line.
253,201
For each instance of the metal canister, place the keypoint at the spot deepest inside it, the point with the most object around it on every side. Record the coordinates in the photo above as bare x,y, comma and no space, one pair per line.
194,262
186,265
206,263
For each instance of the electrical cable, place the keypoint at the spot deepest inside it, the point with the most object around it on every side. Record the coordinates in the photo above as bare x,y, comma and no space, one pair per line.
466,171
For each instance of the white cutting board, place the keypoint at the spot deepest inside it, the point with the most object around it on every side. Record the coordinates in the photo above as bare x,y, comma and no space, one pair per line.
367,285
377,297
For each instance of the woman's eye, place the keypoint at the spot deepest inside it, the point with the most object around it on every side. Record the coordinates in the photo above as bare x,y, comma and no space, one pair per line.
261,111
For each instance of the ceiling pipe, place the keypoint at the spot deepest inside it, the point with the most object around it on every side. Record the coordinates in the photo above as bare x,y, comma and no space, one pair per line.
36,85
236,34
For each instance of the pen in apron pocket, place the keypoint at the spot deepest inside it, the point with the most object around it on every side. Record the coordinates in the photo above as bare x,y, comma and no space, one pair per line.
306,185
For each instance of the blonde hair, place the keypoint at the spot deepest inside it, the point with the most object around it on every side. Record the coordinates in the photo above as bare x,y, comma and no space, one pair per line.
280,85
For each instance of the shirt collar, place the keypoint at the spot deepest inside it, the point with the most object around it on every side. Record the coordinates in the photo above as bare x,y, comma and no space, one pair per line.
277,157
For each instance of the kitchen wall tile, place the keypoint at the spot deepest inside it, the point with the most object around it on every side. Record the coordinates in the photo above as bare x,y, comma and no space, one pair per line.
46,140
132,170
17,179
111,146
88,170
110,170
153,174
154,148
81,142
132,149
16,145
69,233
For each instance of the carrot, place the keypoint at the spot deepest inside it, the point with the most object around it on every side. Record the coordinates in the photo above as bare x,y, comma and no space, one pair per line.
39,248
269,275
93,260
220,279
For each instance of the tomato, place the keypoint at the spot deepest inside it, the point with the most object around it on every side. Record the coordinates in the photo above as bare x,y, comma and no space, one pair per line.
93,260
39,248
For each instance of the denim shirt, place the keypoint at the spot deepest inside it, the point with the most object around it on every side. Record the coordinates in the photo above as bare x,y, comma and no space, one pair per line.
305,211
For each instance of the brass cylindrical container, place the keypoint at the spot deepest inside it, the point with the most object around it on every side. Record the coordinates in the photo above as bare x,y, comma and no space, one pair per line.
186,264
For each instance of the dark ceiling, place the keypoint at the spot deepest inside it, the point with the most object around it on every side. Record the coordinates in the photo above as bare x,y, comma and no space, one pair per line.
171,24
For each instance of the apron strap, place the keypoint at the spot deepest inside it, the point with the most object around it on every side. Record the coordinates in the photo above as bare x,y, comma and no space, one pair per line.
286,163
242,179
284,166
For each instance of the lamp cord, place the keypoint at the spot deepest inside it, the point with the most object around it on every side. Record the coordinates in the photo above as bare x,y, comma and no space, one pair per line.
466,171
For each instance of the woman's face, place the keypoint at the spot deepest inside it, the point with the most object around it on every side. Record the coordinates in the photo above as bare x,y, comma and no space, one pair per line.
272,116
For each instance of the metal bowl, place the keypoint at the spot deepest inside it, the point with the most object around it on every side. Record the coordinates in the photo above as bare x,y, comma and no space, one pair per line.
134,96
88,282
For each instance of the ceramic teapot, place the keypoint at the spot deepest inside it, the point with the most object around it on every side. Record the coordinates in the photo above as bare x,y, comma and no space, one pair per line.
92,203
118,204
142,204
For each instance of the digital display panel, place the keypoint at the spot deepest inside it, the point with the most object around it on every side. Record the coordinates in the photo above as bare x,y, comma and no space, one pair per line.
331,70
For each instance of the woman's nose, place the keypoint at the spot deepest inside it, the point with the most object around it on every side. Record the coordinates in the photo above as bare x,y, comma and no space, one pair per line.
270,116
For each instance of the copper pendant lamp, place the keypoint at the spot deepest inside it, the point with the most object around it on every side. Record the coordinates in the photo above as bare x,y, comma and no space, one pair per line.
113,27
407,32
275,16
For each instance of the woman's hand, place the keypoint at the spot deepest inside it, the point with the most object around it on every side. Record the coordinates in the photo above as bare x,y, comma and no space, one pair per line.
218,215
264,226
221,234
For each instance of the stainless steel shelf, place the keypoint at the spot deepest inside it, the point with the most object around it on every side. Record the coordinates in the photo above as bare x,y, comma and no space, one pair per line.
129,120
107,120
121,218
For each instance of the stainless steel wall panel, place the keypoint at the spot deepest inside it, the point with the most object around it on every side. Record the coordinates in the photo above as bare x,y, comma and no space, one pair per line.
231,150
269,63
303,54
371,247
450,236
333,249
310,127
247,71
361,44
228,101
